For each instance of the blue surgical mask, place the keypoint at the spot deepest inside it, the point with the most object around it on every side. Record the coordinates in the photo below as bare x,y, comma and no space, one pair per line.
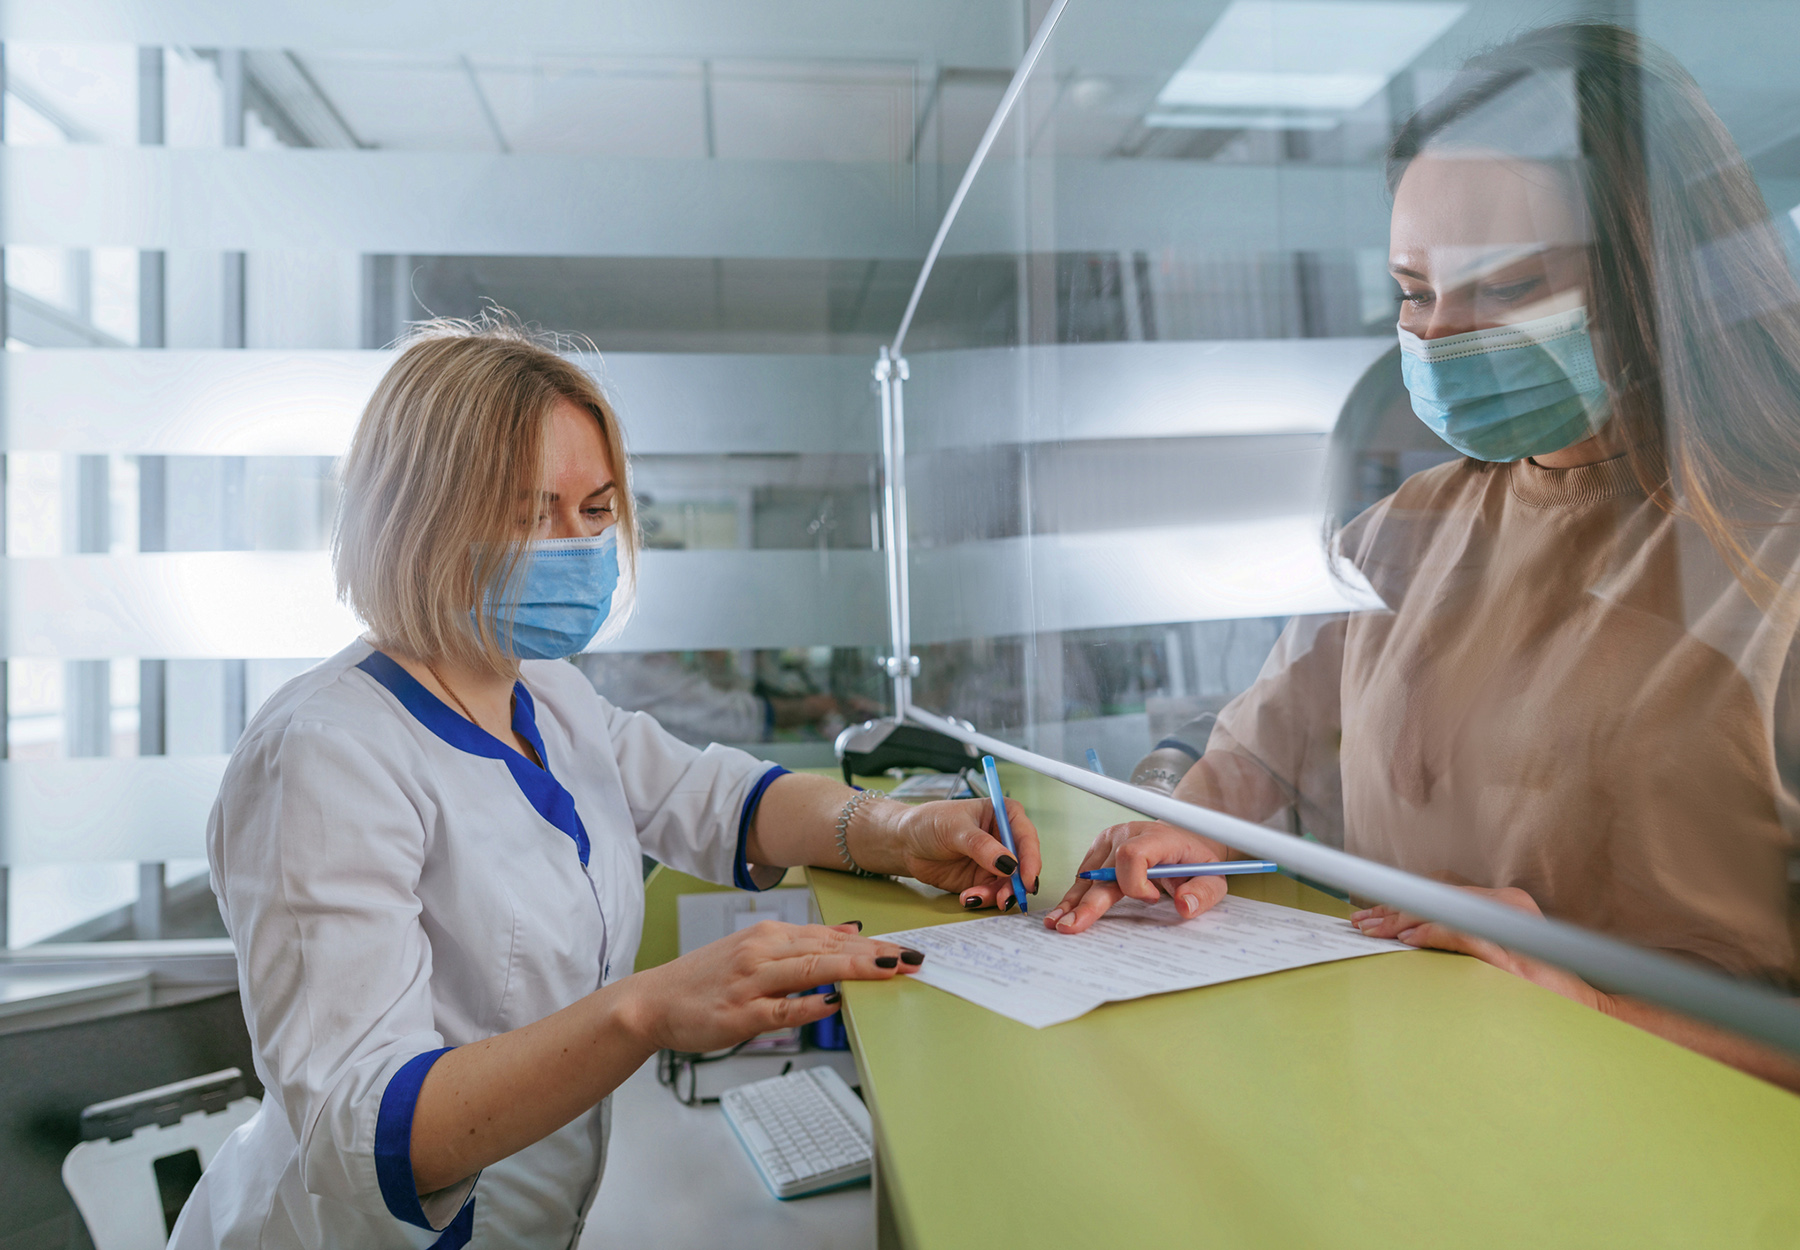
565,593
1508,392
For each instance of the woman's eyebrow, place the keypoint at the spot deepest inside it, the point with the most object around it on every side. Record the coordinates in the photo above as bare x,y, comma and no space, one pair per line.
551,496
1410,273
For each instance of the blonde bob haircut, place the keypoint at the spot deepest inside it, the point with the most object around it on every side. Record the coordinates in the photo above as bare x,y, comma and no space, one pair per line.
442,482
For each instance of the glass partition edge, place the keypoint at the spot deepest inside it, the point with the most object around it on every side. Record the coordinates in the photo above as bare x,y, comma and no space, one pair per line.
1004,110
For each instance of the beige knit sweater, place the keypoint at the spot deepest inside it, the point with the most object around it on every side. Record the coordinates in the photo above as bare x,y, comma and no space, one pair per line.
1568,692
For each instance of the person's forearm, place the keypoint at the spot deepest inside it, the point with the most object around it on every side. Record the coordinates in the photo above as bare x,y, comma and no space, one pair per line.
1225,782
1776,1067
796,826
492,1098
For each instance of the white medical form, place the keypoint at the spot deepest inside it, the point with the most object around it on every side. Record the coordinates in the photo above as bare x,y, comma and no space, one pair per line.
1015,966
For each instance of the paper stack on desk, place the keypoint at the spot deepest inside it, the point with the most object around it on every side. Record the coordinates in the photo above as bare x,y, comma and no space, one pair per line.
1015,966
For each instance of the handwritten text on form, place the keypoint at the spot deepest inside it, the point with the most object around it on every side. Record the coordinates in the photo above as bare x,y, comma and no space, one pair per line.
1015,966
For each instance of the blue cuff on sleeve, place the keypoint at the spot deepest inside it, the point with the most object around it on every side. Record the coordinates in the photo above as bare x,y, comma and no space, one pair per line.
393,1138
740,872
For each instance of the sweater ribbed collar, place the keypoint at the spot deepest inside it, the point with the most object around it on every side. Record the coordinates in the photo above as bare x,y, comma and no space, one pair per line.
1587,483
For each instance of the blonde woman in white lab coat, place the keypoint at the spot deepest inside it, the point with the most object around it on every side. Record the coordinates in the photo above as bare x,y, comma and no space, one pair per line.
427,847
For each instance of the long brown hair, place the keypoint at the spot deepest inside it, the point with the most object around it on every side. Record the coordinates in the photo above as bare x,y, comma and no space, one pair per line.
1696,313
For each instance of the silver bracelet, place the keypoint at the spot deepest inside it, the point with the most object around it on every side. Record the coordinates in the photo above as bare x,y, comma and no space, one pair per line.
843,834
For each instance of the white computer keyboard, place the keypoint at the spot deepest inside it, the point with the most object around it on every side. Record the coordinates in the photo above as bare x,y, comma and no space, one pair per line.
805,1131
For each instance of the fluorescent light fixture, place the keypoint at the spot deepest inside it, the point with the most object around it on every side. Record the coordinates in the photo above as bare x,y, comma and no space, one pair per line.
1305,54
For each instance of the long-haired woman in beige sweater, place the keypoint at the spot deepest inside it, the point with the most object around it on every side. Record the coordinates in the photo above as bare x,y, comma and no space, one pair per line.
1578,693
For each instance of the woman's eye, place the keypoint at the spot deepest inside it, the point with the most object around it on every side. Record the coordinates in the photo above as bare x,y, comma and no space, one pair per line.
1415,298
1507,292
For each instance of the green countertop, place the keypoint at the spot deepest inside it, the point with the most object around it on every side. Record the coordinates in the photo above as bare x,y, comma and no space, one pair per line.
1408,1100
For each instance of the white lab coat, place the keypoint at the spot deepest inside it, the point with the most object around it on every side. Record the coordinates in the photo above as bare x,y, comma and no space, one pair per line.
392,889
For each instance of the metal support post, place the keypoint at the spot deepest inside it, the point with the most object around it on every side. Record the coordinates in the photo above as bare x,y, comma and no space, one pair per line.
900,663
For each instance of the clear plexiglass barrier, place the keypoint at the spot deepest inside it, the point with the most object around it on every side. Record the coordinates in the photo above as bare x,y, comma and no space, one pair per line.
1380,424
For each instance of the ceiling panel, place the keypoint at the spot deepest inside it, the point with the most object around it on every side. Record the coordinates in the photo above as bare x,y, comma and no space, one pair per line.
599,108
792,112
961,32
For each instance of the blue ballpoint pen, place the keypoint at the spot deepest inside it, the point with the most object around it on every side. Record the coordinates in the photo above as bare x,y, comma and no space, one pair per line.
1094,761
1003,826
1226,868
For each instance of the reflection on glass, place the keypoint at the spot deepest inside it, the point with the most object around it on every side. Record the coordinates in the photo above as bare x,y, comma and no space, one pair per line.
1577,686
799,696
1553,490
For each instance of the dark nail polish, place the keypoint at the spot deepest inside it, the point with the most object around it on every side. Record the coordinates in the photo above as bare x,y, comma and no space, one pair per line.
857,923
887,961
1034,886
972,902
912,957
834,998
1009,905
1007,865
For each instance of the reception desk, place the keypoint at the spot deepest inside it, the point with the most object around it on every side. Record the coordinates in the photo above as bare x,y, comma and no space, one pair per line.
1406,1100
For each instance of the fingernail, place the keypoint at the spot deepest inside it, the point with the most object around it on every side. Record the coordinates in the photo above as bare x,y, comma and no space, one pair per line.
1034,886
972,902
913,957
834,998
1358,915
857,923
1189,904
1009,905
1055,915
1007,865
1407,936
1066,923
887,961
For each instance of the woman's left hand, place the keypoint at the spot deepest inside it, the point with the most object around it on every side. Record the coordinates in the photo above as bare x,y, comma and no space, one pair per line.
1386,922
955,846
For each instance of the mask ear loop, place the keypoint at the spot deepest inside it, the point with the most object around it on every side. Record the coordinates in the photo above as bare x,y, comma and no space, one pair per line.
624,600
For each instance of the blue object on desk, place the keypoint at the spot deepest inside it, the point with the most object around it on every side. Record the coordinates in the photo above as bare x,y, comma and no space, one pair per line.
828,1031
1226,868
1094,761
1001,824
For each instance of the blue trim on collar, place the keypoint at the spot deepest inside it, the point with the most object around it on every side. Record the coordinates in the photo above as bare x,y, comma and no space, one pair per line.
393,1140
740,869
539,786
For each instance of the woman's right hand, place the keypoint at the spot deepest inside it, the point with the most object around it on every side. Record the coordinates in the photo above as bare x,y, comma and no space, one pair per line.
1132,850
730,990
